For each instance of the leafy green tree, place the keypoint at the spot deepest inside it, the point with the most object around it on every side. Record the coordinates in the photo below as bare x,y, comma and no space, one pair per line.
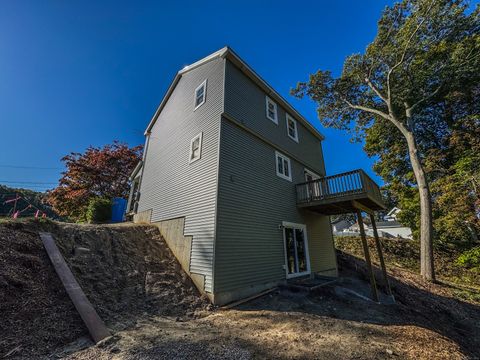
424,51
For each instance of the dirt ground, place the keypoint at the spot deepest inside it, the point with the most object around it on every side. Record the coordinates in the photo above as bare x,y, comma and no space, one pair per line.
425,323
127,272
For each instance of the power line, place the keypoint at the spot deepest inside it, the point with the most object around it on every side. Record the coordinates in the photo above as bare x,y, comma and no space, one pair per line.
30,167
28,182
31,186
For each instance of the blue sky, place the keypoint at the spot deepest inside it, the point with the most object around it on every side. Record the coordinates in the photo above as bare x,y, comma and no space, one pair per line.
80,73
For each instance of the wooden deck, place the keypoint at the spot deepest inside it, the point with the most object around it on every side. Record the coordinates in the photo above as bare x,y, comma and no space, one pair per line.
339,194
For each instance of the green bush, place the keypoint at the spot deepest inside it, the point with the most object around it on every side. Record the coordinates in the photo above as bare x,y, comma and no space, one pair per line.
470,259
99,210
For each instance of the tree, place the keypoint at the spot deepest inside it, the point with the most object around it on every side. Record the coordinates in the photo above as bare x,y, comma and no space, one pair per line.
423,51
450,145
457,191
98,172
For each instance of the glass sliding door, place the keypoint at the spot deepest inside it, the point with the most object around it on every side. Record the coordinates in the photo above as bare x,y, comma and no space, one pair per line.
296,249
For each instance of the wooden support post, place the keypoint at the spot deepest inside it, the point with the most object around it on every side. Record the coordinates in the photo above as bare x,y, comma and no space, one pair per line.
380,254
367,257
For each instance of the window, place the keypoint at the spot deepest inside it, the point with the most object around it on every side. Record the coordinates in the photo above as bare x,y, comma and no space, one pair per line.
283,166
200,95
196,148
292,128
271,110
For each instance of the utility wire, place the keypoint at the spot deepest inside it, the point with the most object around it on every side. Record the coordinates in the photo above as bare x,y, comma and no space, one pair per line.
30,167
28,182
28,186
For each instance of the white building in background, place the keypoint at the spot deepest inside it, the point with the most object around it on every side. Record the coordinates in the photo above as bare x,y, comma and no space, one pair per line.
390,228
340,225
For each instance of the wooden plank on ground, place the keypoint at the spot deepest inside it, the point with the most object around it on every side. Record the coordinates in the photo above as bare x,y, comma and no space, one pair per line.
94,323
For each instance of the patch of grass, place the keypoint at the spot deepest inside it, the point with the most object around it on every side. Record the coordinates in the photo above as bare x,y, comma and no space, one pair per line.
406,254
469,295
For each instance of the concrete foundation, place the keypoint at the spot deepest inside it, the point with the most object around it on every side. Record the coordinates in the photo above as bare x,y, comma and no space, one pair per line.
179,243
143,217
238,294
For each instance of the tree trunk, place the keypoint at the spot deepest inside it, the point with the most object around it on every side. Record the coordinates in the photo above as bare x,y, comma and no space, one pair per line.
426,226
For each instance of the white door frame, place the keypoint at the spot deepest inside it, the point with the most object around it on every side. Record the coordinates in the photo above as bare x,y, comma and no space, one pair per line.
315,190
286,224
315,176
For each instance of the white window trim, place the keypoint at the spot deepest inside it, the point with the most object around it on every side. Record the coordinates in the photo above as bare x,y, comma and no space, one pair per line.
267,100
279,174
294,138
307,254
190,160
204,83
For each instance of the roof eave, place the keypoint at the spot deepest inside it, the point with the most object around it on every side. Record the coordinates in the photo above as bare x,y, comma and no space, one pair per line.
219,53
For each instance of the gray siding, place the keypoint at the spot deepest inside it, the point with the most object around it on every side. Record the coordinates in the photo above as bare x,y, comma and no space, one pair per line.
172,187
252,203
245,102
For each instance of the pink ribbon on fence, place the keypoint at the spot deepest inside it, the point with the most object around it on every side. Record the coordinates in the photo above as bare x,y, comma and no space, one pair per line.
12,200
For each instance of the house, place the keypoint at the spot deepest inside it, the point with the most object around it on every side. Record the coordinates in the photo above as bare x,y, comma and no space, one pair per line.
394,229
340,225
234,178
390,228
392,214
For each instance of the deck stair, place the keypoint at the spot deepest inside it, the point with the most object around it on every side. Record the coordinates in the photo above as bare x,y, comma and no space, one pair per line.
309,284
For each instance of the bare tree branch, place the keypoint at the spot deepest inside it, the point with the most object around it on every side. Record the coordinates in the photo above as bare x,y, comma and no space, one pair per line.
368,109
374,88
382,114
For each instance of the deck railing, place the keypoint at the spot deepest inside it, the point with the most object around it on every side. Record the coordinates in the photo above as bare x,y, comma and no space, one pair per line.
338,186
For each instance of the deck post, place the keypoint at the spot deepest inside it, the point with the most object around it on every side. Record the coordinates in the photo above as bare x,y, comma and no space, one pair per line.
367,256
380,254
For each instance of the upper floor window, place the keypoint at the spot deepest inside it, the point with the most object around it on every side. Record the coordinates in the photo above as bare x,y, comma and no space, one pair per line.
196,148
200,94
292,130
271,110
283,166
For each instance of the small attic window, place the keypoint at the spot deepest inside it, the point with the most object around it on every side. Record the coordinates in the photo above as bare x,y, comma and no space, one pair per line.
292,130
200,95
271,110
196,148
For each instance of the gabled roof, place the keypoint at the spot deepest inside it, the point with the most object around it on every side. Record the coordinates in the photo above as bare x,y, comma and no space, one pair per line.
229,54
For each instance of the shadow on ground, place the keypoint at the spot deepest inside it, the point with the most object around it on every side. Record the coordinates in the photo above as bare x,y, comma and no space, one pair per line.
417,303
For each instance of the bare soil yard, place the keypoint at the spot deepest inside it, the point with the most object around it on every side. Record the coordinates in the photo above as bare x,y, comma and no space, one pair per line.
162,316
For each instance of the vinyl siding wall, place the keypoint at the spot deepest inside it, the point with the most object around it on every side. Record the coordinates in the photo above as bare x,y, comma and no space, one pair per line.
245,102
172,187
252,203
